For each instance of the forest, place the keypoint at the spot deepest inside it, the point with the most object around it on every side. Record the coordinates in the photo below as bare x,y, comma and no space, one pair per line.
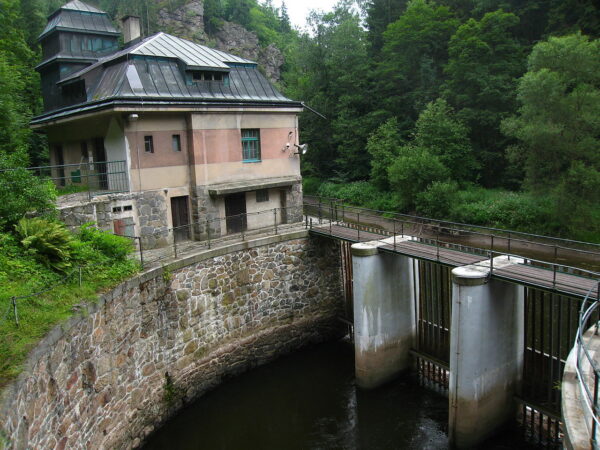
476,111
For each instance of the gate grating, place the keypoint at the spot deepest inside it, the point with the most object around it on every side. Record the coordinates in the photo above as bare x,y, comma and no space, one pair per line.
433,317
551,322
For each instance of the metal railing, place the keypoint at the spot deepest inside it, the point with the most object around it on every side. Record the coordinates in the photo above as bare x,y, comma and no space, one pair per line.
588,382
362,224
168,243
90,178
476,236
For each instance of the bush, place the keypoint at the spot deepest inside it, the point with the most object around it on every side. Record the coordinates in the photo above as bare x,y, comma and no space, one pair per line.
503,209
111,245
437,200
21,192
361,193
49,242
413,171
310,185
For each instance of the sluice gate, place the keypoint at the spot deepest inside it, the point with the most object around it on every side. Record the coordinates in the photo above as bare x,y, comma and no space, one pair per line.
525,314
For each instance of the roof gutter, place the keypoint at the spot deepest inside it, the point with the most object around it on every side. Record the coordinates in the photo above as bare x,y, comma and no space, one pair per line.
68,113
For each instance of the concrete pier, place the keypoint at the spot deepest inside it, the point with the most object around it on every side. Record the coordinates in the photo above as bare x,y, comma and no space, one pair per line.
486,353
384,324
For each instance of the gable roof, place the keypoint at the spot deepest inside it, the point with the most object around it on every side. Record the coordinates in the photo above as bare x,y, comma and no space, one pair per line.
153,71
194,56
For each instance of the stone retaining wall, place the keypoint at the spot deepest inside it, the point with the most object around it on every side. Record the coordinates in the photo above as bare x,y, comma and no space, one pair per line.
100,380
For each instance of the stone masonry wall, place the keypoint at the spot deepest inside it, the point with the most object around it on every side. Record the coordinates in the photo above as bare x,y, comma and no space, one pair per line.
100,380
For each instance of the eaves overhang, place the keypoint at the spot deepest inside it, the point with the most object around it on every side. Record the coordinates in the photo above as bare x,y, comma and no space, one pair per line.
77,30
157,105
234,187
64,58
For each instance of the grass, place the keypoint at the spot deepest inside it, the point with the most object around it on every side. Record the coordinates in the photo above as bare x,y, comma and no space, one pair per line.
71,189
22,274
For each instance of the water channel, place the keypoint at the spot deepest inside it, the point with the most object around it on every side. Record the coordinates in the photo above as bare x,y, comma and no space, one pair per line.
308,400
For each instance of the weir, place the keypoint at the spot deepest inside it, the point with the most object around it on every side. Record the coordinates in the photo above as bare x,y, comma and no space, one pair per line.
488,329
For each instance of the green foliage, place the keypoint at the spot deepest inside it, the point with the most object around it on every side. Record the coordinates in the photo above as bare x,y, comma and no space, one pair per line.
310,185
383,147
560,105
485,60
49,242
504,209
380,13
111,245
438,131
361,193
23,272
414,53
413,171
437,199
21,192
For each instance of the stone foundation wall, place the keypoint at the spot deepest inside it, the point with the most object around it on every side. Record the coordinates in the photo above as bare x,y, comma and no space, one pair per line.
148,213
100,380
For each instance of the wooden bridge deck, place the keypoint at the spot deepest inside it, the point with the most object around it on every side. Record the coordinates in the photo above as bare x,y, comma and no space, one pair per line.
526,274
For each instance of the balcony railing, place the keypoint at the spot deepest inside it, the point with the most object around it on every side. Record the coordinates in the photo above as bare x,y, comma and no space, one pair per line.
92,178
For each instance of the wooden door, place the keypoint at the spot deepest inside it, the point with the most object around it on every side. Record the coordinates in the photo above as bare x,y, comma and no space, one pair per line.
235,212
181,217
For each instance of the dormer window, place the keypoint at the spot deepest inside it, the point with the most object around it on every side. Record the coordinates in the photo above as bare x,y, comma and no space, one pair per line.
209,75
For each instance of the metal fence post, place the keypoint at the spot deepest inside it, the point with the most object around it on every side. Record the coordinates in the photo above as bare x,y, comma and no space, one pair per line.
141,252
175,242
394,222
320,213
14,303
208,231
275,219
358,225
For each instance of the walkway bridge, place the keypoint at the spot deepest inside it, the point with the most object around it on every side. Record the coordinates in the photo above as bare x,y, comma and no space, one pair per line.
410,281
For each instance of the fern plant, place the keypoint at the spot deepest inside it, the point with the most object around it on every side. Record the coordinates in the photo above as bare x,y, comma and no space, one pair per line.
49,242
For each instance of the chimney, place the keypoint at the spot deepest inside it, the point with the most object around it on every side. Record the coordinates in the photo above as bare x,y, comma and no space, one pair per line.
131,29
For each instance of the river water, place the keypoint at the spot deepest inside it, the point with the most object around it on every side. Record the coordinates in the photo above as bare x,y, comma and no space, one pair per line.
309,400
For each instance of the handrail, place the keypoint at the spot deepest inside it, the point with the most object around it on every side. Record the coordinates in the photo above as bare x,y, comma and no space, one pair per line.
589,394
448,222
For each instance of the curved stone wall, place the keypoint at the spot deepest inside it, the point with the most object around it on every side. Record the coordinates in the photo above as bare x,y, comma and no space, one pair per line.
111,375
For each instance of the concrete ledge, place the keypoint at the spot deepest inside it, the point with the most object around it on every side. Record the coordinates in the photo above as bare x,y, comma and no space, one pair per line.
577,435
470,275
364,249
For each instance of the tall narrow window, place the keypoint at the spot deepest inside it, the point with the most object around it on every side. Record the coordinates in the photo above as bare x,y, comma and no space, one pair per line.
148,144
251,145
176,142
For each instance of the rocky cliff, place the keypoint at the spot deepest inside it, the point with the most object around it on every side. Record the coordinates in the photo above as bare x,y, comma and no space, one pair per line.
187,21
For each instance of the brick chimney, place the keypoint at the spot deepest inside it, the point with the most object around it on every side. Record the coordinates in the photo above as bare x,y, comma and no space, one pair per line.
131,29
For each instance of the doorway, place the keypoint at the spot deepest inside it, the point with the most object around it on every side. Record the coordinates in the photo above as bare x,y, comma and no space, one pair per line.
235,212
181,217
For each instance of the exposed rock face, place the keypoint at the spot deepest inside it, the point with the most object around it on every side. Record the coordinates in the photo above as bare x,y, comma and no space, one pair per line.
187,22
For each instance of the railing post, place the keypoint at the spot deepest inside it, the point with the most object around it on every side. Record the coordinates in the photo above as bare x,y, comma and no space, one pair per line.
554,276
275,219
141,251
208,231
402,230
243,237
358,225
509,245
394,222
14,303
311,223
491,255
555,253
492,246
320,213
306,222
175,242
343,217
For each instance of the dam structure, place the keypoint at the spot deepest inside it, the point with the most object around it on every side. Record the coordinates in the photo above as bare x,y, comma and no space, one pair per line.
489,329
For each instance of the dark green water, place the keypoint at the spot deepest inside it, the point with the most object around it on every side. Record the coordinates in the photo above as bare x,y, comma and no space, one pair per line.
308,400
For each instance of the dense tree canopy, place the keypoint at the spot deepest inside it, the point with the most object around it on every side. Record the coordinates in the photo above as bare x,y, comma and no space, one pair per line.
425,101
